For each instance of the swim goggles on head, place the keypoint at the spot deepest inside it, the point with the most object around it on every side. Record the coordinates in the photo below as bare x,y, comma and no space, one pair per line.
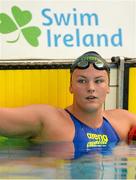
83,62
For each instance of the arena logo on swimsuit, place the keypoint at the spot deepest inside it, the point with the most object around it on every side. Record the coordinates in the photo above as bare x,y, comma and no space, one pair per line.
97,140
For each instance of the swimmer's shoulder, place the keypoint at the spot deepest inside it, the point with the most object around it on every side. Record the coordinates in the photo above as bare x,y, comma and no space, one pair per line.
56,125
51,112
120,115
114,112
45,107
121,120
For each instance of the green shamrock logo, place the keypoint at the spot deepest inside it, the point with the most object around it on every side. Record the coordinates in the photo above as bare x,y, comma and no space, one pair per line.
22,18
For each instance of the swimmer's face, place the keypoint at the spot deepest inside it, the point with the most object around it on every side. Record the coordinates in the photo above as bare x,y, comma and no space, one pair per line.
89,87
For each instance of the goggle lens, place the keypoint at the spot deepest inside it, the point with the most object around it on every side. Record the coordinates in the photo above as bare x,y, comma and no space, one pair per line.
85,63
99,64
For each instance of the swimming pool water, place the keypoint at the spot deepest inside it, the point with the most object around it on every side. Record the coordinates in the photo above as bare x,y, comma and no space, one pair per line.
56,161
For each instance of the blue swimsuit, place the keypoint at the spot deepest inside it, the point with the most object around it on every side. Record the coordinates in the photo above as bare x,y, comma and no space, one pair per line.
88,138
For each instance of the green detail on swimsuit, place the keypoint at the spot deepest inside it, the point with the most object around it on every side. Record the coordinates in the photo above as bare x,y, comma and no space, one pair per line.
21,19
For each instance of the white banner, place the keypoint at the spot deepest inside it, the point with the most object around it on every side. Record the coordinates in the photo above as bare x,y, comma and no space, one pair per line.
65,29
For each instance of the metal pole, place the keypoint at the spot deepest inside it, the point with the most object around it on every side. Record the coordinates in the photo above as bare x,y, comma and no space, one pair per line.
120,83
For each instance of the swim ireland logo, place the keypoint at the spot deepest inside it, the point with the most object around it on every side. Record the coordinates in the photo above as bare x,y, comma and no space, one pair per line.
20,19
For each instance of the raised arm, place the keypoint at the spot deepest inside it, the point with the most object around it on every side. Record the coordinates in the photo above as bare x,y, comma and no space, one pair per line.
21,121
